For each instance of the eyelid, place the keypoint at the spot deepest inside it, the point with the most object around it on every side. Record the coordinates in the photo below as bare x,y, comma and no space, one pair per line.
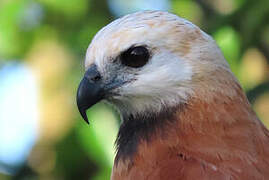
134,46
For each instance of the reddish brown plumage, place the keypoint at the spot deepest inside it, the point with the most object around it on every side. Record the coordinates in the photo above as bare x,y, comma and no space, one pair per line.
206,128
216,139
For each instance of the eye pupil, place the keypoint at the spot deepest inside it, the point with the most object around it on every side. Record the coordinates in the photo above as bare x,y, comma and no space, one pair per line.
135,57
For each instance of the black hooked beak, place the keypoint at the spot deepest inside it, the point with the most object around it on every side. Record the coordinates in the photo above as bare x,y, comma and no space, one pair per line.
90,91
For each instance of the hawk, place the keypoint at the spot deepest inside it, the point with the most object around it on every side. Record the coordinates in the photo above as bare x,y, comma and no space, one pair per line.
184,114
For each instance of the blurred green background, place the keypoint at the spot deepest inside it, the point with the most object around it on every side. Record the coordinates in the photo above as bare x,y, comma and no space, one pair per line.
42,49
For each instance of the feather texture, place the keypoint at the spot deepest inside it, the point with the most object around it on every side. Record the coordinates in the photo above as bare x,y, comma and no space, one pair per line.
217,139
184,113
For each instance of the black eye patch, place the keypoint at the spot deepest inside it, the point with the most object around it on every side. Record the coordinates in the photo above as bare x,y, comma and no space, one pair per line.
135,57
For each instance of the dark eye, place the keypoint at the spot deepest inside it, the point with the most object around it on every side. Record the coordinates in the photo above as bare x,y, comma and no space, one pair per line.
135,57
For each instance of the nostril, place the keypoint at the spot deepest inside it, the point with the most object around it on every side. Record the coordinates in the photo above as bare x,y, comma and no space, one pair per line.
96,78
92,74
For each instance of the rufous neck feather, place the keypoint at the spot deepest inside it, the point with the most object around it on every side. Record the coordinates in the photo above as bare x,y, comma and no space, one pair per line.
199,115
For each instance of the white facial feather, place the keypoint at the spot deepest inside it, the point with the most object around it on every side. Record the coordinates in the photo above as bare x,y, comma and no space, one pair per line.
180,54
165,80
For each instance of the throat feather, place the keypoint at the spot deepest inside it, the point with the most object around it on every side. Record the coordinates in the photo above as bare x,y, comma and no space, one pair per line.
142,127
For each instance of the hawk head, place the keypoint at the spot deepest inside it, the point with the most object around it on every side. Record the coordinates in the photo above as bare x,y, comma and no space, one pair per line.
145,61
